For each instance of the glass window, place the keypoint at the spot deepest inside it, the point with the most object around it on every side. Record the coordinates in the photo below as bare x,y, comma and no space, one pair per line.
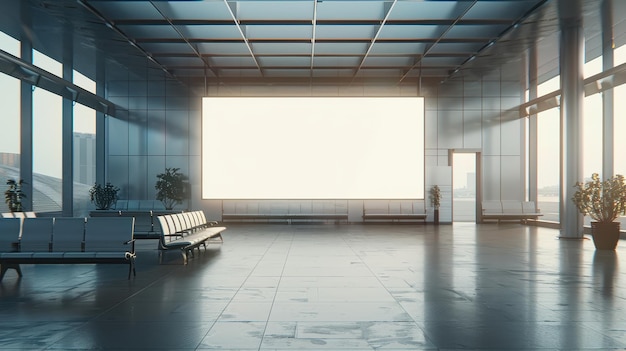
47,141
84,157
548,163
10,117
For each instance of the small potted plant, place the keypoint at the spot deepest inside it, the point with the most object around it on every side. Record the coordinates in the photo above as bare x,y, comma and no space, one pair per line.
13,195
603,201
103,196
435,199
171,187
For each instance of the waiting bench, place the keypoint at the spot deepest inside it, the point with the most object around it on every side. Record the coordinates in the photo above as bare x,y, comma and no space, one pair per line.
385,210
186,231
510,210
66,241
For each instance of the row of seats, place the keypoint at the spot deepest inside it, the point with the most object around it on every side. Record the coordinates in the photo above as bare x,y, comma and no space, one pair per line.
186,231
65,240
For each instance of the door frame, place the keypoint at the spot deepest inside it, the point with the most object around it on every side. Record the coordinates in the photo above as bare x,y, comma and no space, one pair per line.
479,177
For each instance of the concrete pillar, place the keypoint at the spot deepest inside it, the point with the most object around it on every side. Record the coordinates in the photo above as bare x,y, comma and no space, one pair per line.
572,53
26,117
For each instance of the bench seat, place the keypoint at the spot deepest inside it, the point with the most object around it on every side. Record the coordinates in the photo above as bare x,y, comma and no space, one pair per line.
510,210
186,231
67,241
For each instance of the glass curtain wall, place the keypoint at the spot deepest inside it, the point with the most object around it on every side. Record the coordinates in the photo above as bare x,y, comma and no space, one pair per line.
9,118
84,157
47,141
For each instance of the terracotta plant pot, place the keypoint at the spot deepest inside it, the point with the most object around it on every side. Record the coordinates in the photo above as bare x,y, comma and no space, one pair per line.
605,235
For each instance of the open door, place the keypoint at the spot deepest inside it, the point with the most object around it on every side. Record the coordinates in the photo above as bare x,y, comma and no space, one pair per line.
465,186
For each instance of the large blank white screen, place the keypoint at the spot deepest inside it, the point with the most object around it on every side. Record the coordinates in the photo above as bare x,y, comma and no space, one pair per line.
313,148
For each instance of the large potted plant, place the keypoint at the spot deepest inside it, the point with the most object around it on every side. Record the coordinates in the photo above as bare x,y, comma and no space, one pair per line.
103,196
435,199
13,195
603,201
171,187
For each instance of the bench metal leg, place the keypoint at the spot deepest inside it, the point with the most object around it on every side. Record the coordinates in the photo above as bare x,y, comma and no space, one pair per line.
6,266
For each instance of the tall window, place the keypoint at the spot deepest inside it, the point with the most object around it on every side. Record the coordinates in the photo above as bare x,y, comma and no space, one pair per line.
84,148
10,116
47,141
548,163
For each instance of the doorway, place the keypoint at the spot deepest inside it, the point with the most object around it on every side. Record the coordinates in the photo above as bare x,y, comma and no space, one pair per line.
465,180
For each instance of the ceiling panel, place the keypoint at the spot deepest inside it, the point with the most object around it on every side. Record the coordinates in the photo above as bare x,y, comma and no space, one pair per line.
282,61
209,31
194,10
279,31
350,10
411,31
356,31
273,10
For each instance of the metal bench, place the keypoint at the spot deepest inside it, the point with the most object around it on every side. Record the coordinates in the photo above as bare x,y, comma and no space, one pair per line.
66,241
185,232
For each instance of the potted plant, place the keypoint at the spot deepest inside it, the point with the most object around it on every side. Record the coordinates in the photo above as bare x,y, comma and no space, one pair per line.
171,187
103,196
435,199
603,201
13,195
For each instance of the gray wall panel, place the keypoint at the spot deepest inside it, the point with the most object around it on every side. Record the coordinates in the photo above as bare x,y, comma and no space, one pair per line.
491,103
137,133
511,178
491,177
511,137
491,88
473,88
156,165
195,167
472,129
491,133
118,136
138,88
138,103
156,132
430,129
117,174
450,129
138,177
472,103
117,88
177,132
156,88
195,133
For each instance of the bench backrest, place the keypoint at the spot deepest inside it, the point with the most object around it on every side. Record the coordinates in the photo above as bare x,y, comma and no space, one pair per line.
529,207
68,234
491,206
511,206
36,234
108,234
9,233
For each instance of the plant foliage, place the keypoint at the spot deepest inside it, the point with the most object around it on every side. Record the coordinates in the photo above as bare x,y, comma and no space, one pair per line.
103,196
171,187
13,195
435,196
603,201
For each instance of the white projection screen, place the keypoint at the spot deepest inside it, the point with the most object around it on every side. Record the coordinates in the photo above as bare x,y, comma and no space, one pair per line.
313,148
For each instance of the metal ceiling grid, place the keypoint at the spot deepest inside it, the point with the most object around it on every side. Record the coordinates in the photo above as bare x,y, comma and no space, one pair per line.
306,41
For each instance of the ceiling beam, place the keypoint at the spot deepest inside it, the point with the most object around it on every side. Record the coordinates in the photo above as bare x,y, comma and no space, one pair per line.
375,37
243,36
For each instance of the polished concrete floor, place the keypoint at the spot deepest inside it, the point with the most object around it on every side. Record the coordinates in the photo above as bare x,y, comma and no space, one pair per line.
328,287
